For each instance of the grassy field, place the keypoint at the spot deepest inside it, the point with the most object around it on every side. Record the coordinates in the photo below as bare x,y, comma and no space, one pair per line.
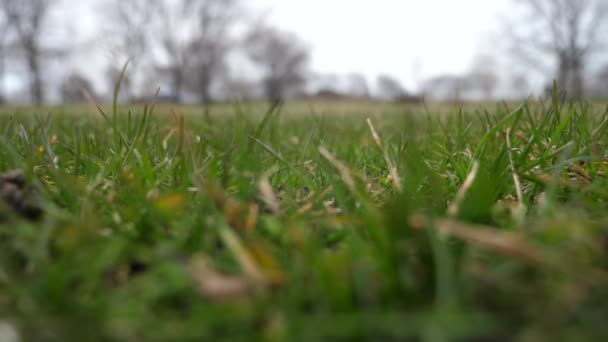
488,224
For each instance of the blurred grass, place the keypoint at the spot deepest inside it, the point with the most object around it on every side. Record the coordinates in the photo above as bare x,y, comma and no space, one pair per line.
297,108
287,224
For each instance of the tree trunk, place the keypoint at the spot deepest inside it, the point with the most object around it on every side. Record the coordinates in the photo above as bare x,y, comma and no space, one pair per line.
205,92
570,76
2,88
177,84
563,72
274,91
205,97
205,88
578,86
36,89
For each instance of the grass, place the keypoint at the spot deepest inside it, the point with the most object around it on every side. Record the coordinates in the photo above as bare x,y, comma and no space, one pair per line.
161,226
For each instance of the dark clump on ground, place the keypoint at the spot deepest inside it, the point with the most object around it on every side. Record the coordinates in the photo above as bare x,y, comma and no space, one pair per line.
22,198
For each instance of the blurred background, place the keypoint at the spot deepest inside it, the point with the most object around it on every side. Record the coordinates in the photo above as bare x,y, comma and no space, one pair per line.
204,51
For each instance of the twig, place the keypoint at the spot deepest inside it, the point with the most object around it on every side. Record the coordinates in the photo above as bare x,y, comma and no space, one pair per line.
468,182
521,208
267,194
511,244
345,172
396,180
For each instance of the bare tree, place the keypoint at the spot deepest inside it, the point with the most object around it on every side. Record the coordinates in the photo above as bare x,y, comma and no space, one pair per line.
482,76
192,37
598,87
174,23
520,85
114,73
357,85
210,44
390,88
282,58
240,89
129,38
26,19
77,88
182,41
450,88
569,31
4,28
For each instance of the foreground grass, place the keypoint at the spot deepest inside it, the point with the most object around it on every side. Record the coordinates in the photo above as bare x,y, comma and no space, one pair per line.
169,227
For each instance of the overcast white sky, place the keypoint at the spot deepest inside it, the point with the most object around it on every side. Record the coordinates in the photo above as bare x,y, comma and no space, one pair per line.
410,39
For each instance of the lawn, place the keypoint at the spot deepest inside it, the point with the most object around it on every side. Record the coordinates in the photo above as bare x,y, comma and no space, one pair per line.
162,224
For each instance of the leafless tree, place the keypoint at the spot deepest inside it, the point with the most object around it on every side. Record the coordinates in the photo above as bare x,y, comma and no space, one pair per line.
128,35
77,88
390,88
114,73
210,44
568,31
357,85
520,85
193,39
174,22
26,19
207,65
482,76
240,89
3,52
282,58
450,88
598,87
182,41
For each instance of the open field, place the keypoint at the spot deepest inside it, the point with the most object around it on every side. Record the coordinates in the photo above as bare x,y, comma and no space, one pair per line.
295,108
307,224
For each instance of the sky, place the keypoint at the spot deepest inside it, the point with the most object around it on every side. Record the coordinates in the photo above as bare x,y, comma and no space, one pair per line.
409,39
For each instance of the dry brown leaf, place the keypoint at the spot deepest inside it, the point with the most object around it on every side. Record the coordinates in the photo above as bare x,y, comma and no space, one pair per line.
217,286
304,209
345,172
273,275
304,195
394,176
252,217
268,196
454,207
243,256
511,244
580,173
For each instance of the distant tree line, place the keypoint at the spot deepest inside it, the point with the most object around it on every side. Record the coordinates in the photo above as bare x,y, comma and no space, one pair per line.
207,50
562,41
184,46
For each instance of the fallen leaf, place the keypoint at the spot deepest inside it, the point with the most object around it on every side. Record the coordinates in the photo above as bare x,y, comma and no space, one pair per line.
215,285
268,196
511,244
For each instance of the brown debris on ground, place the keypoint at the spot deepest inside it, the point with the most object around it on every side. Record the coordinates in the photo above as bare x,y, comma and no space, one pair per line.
22,198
